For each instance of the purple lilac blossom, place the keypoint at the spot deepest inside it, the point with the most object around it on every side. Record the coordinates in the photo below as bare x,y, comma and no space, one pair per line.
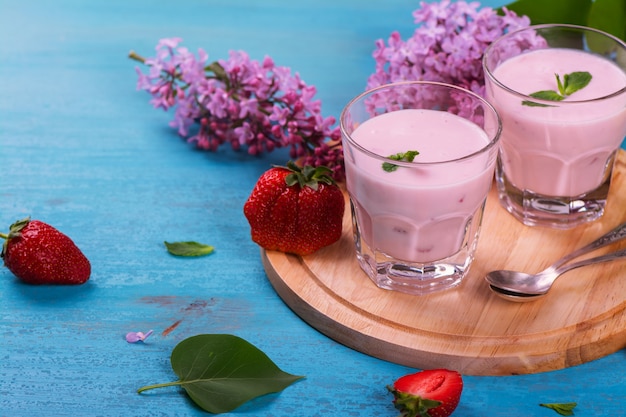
259,106
447,45
248,104
134,337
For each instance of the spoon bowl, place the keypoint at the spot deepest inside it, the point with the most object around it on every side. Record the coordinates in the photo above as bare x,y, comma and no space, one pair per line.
521,287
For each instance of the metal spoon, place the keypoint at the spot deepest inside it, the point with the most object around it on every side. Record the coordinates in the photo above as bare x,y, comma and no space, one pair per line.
520,286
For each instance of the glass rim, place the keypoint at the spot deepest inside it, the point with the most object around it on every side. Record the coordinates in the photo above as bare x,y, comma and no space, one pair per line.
492,140
496,81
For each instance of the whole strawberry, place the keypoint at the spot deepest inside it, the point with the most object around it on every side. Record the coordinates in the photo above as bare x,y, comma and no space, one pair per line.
37,253
295,210
430,393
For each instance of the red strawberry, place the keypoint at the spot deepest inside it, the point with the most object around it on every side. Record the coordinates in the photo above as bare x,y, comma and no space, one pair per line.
37,253
295,210
432,393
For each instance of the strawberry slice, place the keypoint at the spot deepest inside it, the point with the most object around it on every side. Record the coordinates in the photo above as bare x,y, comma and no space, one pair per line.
429,393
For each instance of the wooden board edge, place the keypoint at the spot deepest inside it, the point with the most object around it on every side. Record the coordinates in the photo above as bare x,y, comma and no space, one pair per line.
302,296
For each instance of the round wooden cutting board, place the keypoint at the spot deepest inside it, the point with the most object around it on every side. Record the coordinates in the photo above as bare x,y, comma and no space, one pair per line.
468,328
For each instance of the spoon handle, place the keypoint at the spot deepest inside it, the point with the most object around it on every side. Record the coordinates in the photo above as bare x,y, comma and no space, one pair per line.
598,259
614,235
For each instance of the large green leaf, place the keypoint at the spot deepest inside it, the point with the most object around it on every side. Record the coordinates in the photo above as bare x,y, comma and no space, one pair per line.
553,11
609,16
606,15
220,372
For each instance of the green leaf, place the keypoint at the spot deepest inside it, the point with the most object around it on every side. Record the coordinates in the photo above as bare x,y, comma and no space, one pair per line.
188,248
547,95
609,16
308,176
564,409
220,372
571,83
553,11
575,81
606,15
407,156
543,95
560,85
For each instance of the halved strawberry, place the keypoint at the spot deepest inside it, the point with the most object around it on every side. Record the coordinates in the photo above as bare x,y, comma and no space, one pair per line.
429,393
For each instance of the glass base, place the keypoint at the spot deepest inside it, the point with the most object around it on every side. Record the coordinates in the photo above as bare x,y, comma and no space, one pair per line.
534,209
415,279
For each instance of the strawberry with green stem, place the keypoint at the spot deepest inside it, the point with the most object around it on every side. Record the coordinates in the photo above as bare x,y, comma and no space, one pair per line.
37,253
295,210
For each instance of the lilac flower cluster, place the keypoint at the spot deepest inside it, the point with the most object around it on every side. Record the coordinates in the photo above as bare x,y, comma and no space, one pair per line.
260,106
447,46
249,104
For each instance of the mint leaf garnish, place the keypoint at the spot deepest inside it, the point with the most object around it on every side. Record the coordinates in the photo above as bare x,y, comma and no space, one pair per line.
564,409
571,83
575,81
188,248
544,95
559,84
407,156
220,372
547,95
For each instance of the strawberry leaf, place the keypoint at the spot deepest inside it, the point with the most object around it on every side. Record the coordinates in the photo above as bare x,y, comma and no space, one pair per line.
308,176
564,409
220,372
188,248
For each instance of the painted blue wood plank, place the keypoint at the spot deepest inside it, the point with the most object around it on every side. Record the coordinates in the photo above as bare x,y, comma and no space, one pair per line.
82,150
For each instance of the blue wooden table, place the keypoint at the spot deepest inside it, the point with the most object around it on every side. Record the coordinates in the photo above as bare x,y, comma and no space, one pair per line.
81,149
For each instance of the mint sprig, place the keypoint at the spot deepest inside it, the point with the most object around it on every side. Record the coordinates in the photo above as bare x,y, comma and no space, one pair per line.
189,248
564,409
407,156
571,83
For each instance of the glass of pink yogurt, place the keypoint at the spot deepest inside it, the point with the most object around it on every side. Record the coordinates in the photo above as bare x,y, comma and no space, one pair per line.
559,143
420,159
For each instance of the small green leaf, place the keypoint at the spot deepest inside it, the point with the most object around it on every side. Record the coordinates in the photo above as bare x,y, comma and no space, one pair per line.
407,156
308,176
571,83
560,85
220,372
575,81
534,104
547,95
544,95
188,248
564,409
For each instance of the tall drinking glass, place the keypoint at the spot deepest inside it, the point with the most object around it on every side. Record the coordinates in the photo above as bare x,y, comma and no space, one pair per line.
561,93
419,159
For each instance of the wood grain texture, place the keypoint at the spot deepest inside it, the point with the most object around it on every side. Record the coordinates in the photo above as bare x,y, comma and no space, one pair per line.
469,328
